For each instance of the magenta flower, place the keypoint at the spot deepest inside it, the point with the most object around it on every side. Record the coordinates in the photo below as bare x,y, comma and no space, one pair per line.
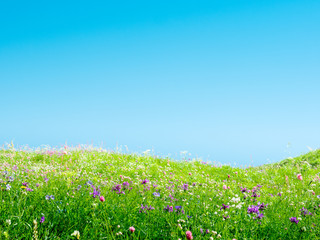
189,235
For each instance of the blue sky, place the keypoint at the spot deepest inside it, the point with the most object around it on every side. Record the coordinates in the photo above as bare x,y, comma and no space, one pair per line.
228,81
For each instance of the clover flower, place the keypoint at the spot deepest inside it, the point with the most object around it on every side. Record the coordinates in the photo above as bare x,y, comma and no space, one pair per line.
294,220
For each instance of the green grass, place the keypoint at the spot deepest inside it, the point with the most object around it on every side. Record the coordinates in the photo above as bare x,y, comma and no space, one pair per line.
71,174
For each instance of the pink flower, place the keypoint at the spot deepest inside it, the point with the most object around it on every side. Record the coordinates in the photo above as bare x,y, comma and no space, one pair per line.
228,176
132,229
190,173
299,176
102,198
224,187
189,235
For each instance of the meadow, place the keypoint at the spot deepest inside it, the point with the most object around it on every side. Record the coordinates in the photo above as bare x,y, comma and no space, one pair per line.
91,193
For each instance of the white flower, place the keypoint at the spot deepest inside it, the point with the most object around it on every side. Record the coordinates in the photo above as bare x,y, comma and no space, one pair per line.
76,234
8,221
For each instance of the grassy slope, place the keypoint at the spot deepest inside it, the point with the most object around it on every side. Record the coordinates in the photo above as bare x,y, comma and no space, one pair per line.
311,159
74,208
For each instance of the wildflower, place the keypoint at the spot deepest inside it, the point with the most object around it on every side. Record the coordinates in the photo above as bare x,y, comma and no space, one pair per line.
8,187
224,187
189,235
116,187
29,189
156,194
299,176
35,232
185,187
260,216
253,209
305,212
168,208
145,181
224,207
102,198
294,220
145,208
179,209
8,221
76,234
42,219
48,197
132,229
95,192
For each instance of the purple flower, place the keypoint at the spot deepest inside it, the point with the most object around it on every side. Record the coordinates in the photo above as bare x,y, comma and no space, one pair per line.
125,184
179,209
145,181
243,189
253,209
95,192
29,189
46,179
224,207
145,208
305,212
116,187
156,194
294,220
168,208
185,187
48,197
262,206
255,195
260,216
201,230
42,219
25,184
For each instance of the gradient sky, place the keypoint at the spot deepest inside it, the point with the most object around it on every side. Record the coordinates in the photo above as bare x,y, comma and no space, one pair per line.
228,81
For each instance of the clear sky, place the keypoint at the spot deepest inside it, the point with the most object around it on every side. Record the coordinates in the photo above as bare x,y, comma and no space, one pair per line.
228,81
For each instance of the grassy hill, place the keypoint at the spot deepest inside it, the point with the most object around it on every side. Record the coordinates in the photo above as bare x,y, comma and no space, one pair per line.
96,194
309,160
